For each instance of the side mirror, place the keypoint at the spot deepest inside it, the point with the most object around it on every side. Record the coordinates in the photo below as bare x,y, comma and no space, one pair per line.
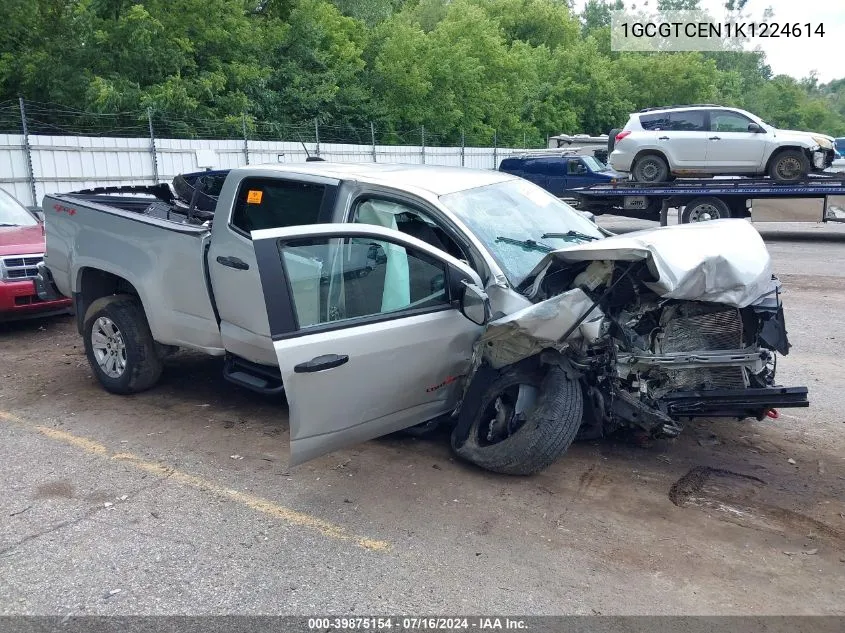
475,305
755,129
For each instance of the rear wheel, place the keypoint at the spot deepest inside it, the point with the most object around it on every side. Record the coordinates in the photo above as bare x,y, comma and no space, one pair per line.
525,421
651,168
704,209
789,165
119,345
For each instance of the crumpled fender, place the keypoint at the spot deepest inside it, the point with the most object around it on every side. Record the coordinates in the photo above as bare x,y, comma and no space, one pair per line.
720,261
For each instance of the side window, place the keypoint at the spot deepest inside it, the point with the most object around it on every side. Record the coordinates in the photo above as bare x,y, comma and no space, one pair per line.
554,166
535,166
689,121
577,167
269,203
728,122
655,122
511,166
334,279
408,220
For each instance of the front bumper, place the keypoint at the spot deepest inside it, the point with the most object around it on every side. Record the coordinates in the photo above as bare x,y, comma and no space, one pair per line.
823,159
620,160
20,299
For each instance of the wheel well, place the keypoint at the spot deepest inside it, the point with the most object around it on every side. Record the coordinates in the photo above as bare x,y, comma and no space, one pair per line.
650,152
738,208
95,284
781,150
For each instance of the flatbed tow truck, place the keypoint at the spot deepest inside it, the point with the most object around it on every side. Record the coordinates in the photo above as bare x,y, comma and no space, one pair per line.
705,199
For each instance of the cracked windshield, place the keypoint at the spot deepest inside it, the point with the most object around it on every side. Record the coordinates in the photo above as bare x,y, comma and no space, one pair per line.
519,223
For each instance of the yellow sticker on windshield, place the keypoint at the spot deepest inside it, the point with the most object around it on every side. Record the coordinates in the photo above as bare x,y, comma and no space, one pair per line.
254,197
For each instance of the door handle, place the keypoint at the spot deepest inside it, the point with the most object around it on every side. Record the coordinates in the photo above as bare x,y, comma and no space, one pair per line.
327,361
715,138
662,138
232,262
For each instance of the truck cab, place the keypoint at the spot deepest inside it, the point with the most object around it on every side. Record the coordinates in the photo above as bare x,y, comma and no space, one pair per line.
559,174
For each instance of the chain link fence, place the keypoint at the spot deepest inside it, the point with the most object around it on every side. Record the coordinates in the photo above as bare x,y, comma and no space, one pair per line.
47,147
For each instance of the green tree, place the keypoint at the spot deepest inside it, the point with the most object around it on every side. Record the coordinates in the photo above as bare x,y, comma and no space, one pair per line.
318,68
659,79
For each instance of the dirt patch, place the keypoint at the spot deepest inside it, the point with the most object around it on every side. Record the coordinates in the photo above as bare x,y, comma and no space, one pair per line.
690,488
55,490
732,496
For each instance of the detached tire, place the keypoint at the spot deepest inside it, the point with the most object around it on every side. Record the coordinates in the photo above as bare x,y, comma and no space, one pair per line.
790,165
704,209
119,345
651,168
549,425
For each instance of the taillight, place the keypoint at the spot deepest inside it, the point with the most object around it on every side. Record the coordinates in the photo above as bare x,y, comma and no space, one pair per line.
622,135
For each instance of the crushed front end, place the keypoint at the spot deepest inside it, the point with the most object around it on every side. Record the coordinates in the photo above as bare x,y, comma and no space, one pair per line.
658,327
664,360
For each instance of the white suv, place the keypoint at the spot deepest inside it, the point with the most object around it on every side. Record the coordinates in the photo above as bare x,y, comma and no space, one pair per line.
704,140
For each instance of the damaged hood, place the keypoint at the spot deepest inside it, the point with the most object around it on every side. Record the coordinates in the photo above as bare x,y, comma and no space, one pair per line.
720,261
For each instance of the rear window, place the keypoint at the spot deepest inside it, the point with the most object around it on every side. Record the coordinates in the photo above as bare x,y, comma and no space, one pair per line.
655,121
269,203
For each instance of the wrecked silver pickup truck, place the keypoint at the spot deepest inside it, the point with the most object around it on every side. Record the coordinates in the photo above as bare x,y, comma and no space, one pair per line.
390,297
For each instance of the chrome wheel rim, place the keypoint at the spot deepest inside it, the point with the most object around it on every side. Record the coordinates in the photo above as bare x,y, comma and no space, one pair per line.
704,212
109,348
789,168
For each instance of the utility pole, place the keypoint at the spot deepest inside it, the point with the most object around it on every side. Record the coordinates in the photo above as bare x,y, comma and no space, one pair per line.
153,153
30,173
246,138
422,147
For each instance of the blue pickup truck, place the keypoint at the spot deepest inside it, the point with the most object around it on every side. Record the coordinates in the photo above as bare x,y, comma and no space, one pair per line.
560,174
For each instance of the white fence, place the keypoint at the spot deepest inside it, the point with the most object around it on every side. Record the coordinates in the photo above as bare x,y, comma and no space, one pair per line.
33,166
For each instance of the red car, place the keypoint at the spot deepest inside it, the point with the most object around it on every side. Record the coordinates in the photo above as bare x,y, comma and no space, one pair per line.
21,250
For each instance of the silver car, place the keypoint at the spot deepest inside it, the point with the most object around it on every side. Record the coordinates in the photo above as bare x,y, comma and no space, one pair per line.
700,140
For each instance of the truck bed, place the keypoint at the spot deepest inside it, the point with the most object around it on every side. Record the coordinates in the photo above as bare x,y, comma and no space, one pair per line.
151,242
652,200
153,201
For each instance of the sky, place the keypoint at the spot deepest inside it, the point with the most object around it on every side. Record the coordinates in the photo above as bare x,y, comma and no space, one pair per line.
794,56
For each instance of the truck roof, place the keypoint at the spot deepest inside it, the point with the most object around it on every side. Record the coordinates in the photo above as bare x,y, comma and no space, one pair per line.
432,178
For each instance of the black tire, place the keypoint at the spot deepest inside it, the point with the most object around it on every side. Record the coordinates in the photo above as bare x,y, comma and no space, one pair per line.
424,430
611,139
550,425
790,165
651,168
705,208
141,365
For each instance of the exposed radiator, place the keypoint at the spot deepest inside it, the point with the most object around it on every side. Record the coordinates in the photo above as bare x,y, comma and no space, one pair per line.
694,328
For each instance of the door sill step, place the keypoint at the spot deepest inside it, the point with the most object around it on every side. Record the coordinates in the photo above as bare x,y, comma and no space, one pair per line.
253,376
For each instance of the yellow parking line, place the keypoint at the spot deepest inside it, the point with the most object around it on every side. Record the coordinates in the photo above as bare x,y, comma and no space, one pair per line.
259,504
